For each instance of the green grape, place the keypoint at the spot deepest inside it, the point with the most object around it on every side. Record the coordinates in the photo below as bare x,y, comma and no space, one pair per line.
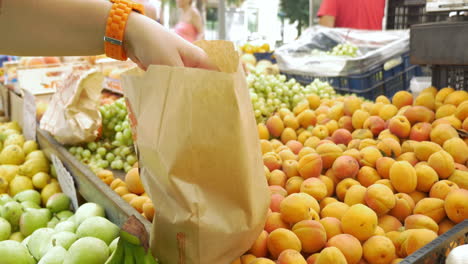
119,136
101,151
86,153
116,143
79,150
127,167
127,133
72,150
131,159
92,146
110,157
104,163
116,152
125,151
117,164
118,128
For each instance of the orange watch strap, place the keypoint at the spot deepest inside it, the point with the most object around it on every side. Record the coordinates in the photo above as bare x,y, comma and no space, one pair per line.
115,28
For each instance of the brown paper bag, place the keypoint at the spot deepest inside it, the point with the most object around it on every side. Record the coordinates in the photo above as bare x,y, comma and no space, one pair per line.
200,158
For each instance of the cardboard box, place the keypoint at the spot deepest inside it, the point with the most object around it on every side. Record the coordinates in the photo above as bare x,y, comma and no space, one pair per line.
16,107
16,103
4,101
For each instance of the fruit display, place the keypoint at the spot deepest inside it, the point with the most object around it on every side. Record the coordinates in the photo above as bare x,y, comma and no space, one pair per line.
55,235
270,93
251,66
362,182
39,61
131,190
23,166
114,149
250,48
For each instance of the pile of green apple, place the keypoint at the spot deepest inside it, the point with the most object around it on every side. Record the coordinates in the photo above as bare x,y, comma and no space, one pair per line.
30,234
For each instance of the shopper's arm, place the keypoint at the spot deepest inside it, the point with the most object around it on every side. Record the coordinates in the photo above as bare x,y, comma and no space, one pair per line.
328,12
77,27
327,21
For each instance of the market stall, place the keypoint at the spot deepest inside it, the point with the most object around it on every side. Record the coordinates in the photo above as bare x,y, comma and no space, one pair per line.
326,149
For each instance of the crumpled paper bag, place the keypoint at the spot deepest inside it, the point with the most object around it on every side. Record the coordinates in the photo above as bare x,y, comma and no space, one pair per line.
73,115
200,158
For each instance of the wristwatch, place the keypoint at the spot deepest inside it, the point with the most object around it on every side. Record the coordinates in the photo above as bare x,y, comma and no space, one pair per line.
115,28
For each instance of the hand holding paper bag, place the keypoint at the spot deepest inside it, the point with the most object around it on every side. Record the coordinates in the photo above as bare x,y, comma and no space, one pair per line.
200,158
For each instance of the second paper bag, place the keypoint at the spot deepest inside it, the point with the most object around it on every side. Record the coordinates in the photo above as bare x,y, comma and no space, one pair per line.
200,158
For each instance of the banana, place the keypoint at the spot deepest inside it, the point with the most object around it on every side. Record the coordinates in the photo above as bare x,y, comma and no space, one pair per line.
139,254
130,238
118,254
149,259
128,253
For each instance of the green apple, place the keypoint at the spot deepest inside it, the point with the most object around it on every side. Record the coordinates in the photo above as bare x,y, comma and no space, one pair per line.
58,202
34,219
5,198
71,218
12,212
5,229
55,255
25,241
29,195
88,210
13,252
28,205
64,239
98,227
69,226
40,242
53,222
89,250
64,215
53,171
17,236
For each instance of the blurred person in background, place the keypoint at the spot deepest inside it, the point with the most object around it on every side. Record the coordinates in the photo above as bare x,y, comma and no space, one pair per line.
153,9
190,25
357,14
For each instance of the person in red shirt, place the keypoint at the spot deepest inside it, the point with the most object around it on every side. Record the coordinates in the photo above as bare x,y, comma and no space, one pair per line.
358,14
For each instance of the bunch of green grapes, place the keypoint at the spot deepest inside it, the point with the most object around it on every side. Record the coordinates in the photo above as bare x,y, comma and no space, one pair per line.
344,49
115,148
269,93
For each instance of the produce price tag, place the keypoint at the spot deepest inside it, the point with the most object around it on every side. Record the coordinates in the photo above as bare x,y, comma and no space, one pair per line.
29,115
66,181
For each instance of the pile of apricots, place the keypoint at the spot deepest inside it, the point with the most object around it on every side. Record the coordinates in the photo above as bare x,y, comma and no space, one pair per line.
362,182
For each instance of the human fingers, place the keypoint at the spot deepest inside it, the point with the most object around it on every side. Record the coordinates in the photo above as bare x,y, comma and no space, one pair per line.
194,57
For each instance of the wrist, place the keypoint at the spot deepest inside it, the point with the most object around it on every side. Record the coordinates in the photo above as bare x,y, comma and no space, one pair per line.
130,34
121,15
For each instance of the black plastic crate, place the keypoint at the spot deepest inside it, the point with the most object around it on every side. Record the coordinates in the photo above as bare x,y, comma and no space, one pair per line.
402,14
453,76
437,250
